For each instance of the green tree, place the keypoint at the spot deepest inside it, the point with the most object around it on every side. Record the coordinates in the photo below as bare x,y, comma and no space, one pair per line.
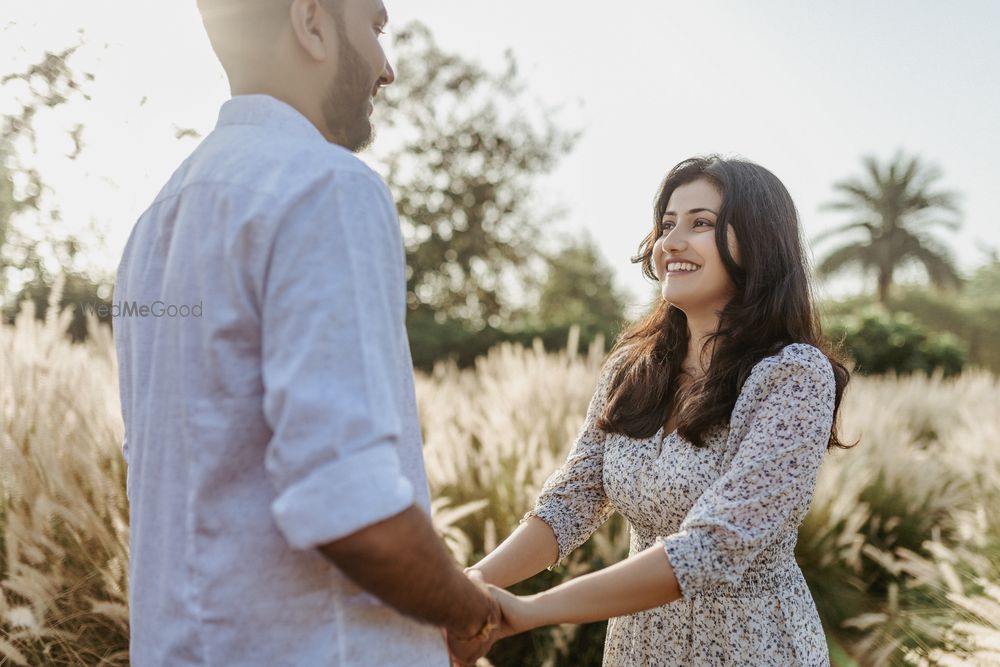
880,342
895,205
579,288
984,284
464,151
34,258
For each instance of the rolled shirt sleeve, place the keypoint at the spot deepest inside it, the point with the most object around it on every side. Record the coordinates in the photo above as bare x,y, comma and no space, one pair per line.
333,335
771,479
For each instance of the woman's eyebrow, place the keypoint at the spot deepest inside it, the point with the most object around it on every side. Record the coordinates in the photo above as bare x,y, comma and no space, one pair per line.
694,210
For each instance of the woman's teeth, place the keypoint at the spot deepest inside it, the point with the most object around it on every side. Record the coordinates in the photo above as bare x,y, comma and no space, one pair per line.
681,266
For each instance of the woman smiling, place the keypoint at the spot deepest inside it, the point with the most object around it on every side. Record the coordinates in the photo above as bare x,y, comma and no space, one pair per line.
707,430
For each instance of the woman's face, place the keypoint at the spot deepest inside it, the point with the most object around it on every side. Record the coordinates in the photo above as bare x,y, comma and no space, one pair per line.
685,258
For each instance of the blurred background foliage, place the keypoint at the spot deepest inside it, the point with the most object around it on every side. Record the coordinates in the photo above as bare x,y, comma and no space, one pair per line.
900,547
464,151
882,342
894,209
33,248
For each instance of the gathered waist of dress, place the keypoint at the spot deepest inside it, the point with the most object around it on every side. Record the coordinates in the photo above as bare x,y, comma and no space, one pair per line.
765,578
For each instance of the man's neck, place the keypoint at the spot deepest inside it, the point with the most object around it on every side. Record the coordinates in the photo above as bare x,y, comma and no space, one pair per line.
313,115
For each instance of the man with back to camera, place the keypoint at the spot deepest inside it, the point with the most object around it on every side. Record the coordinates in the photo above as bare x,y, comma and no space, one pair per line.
279,505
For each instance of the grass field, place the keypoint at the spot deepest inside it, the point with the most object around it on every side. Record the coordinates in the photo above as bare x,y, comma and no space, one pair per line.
901,547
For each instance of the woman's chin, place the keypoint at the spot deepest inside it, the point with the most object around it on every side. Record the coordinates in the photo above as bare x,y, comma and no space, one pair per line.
674,297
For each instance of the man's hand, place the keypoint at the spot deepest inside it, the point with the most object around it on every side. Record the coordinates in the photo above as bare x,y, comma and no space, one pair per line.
465,651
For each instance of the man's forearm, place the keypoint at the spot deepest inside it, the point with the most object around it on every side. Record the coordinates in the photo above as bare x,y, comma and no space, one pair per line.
404,563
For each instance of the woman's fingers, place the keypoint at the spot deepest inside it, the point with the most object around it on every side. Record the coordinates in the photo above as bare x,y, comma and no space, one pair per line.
513,612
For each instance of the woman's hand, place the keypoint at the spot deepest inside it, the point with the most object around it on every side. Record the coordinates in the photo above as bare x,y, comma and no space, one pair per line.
519,613
467,651
515,615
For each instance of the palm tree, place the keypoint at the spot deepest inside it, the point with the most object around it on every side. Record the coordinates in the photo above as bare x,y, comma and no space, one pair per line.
895,207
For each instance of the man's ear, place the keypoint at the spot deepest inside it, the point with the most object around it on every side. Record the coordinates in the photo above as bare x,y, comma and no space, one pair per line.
313,28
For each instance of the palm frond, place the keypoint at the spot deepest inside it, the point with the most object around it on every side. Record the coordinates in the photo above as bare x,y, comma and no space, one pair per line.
936,260
908,170
842,229
920,223
900,201
846,256
874,171
857,195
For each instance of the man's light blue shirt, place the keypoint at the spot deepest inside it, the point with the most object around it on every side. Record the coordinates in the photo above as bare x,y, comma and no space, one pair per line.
267,392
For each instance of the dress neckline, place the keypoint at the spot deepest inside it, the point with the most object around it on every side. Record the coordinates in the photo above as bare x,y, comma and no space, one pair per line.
663,432
663,436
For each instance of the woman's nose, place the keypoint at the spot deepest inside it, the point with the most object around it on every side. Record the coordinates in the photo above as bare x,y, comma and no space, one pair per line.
674,242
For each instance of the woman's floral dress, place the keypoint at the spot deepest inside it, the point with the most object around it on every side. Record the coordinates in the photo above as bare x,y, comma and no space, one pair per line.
726,514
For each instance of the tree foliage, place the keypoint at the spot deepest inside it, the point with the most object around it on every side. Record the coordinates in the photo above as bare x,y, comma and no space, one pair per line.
579,288
895,207
464,151
881,342
971,315
984,284
35,257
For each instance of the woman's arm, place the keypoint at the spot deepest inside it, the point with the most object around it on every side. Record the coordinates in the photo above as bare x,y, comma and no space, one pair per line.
571,506
768,486
635,584
531,548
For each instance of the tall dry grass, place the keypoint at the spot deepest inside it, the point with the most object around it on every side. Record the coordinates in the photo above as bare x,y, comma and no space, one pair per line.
924,481
63,510
925,477
901,546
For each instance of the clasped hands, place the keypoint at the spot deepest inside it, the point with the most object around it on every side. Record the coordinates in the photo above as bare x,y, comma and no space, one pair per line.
507,616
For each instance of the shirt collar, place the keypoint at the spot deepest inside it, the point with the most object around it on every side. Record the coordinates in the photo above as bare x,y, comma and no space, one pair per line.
270,112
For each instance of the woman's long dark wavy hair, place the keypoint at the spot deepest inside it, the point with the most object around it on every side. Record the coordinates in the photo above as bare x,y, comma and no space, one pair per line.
771,308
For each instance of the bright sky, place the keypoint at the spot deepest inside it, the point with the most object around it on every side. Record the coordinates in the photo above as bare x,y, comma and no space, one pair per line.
804,88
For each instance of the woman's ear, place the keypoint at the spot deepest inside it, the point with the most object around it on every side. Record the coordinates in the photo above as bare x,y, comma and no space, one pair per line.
734,245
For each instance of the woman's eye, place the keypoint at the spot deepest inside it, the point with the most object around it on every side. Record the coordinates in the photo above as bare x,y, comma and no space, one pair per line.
708,223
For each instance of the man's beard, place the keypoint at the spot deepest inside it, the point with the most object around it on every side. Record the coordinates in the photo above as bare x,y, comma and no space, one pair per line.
345,108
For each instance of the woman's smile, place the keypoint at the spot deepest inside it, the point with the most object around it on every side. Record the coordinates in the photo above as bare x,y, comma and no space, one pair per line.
687,248
675,268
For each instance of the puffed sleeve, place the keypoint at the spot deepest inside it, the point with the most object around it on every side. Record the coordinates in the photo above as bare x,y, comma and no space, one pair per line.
332,340
772,477
573,502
